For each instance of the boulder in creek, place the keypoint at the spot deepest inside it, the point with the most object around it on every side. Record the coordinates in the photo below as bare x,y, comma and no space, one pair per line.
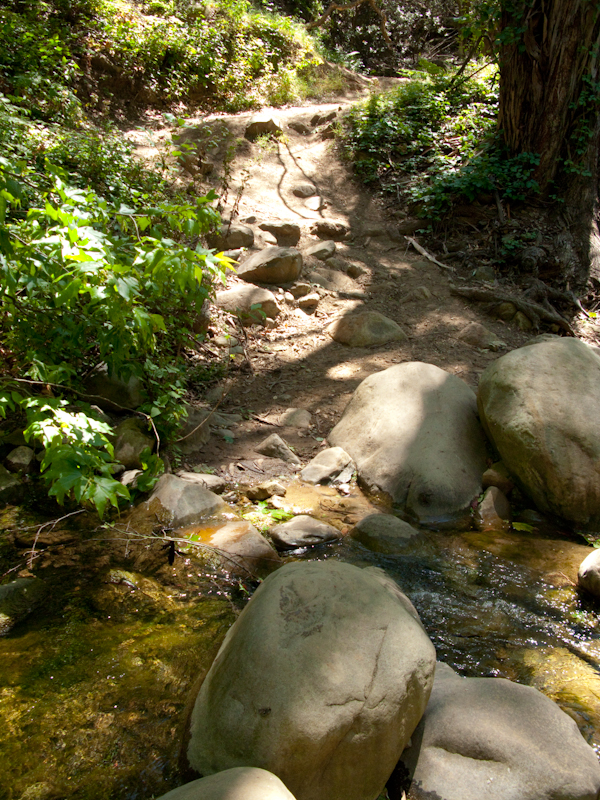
181,502
231,236
273,265
286,233
215,483
493,512
239,783
494,739
266,489
251,303
414,435
18,599
21,459
263,125
303,531
321,680
365,329
539,405
588,576
130,441
326,465
383,533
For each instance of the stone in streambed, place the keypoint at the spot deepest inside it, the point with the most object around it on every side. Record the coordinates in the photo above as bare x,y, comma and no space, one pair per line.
18,599
265,490
383,533
303,531
321,680
493,512
494,739
21,459
414,435
365,329
273,265
130,441
326,465
275,447
182,502
497,475
238,547
239,783
588,577
214,483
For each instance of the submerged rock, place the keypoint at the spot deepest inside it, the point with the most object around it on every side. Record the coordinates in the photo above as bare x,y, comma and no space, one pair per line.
326,465
303,531
383,533
18,599
321,680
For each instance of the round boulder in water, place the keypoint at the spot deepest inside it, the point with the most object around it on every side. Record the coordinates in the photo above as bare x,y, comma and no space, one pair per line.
241,783
321,680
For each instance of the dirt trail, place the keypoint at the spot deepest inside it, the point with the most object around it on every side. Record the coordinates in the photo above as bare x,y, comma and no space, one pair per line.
297,364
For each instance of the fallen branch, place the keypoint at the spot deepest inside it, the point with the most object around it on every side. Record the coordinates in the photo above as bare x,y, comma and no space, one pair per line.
427,255
494,297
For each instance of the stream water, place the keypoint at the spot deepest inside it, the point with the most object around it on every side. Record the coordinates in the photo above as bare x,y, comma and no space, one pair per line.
95,683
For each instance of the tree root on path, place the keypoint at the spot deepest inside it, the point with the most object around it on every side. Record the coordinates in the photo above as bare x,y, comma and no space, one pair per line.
493,297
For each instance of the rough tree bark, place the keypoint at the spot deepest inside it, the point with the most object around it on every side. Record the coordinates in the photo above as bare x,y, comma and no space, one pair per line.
549,104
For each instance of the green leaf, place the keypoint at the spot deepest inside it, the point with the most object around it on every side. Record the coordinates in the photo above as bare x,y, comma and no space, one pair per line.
522,526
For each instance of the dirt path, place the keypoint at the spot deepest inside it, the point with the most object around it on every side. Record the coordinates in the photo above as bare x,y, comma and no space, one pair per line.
297,364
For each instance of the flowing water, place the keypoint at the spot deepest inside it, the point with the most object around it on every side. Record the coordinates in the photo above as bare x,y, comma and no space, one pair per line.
94,684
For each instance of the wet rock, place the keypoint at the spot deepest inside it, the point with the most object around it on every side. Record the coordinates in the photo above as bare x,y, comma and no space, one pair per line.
539,405
265,490
214,483
303,531
263,125
231,236
238,547
304,190
250,303
275,447
413,432
493,512
21,459
111,392
287,234
321,649
130,441
497,475
321,250
365,329
195,431
477,335
182,501
309,302
326,465
489,737
506,311
329,229
238,783
383,533
275,265
296,418
588,577
18,599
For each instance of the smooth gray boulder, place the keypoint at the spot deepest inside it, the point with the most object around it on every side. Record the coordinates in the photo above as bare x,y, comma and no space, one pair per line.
215,483
274,265
231,236
303,531
183,502
494,739
321,680
588,576
326,465
241,549
413,432
130,441
365,329
383,533
249,302
286,233
239,783
539,405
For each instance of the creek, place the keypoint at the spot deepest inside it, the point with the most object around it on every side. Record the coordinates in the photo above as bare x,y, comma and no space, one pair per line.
95,684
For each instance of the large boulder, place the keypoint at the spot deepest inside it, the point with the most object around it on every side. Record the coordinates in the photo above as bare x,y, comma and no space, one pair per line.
230,236
249,302
274,265
130,441
588,576
182,502
236,547
240,783
321,680
494,739
303,531
384,533
365,329
413,433
539,405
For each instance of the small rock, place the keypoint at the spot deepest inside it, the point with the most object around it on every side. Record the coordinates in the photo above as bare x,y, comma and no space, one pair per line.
477,335
130,442
493,512
289,298
303,531
588,577
183,502
239,547
275,447
522,322
214,483
262,125
21,459
320,118
309,302
304,190
129,478
238,783
373,229
485,274
497,475
409,226
365,329
249,220
506,311
328,132
418,293
355,270
265,490
332,280
329,229
300,290
275,265
326,465
383,533
287,234
296,418
251,303
231,236
300,127
321,250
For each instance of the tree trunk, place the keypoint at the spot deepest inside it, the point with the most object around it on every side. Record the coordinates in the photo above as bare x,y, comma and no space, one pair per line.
549,102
